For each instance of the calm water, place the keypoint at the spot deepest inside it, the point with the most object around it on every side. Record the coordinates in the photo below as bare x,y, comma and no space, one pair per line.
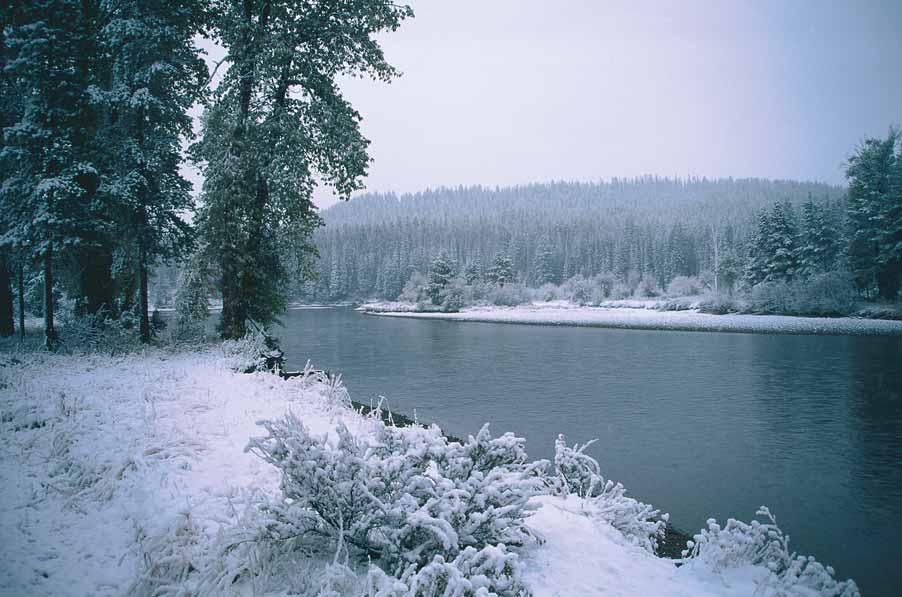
699,424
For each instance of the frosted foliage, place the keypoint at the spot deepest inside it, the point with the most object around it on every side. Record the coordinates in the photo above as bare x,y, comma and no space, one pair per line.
409,499
764,544
578,473
250,353
485,572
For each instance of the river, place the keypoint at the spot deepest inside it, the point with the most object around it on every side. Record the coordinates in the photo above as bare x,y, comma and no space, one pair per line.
699,424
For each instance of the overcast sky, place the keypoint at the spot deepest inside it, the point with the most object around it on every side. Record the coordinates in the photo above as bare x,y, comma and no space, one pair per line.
506,92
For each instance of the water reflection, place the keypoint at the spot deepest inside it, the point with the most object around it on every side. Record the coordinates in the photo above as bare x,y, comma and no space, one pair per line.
701,424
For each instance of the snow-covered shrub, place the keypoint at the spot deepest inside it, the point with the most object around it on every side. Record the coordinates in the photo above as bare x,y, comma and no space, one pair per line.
192,301
403,499
881,312
647,288
674,304
830,293
772,297
719,304
578,473
453,296
764,544
99,332
492,570
509,295
169,558
684,286
415,289
547,293
256,351
621,291
578,290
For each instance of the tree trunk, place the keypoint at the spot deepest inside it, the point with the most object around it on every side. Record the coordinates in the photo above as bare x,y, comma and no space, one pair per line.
22,301
7,327
96,285
49,330
145,315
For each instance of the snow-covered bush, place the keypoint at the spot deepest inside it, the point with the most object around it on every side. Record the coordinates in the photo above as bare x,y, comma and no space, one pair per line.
256,351
684,286
415,289
99,332
509,295
492,570
454,296
772,297
547,293
578,290
719,304
404,498
830,293
648,288
192,302
578,473
765,545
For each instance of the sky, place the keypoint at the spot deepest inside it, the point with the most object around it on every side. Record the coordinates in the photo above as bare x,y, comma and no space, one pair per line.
507,92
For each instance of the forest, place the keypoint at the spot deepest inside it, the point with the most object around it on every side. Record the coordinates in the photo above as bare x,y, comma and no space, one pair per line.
95,101
618,239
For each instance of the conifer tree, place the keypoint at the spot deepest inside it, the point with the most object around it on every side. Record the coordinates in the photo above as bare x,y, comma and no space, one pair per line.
277,123
440,273
50,196
156,76
544,269
819,243
875,216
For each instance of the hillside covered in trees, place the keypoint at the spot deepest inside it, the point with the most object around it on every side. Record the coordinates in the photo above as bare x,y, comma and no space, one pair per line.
648,229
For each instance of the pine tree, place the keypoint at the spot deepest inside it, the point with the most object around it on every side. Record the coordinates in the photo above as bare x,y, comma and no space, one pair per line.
157,75
278,118
502,270
544,268
50,198
875,256
756,269
440,273
473,273
782,254
819,243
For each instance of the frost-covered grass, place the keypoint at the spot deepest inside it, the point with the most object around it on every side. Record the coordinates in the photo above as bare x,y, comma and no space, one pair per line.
148,474
648,317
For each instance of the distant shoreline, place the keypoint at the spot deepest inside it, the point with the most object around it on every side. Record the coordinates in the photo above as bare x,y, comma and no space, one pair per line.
647,319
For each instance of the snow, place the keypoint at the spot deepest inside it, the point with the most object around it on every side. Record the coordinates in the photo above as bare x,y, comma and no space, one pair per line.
113,467
583,556
646,319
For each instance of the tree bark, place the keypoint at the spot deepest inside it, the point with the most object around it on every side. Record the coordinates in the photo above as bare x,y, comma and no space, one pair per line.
21,301
49,330
7,327
145,303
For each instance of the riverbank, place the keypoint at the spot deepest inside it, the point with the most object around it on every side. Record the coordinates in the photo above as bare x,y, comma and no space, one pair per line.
123,475
690,320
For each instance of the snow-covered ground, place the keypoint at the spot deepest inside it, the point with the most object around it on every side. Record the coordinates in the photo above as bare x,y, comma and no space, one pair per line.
649,319
121,471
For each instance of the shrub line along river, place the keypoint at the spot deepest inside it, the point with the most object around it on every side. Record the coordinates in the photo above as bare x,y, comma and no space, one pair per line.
700,424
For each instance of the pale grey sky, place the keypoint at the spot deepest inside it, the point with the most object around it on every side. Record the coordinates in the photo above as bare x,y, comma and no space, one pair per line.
506,92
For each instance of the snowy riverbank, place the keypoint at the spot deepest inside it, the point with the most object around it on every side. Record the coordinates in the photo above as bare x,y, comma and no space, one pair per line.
123,475
648,319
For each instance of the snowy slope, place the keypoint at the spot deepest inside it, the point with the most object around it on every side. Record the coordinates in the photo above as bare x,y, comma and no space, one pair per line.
113,468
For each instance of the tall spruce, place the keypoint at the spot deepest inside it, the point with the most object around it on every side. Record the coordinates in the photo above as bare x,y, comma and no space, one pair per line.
156,76
819,240
277,123
50,195
875,216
